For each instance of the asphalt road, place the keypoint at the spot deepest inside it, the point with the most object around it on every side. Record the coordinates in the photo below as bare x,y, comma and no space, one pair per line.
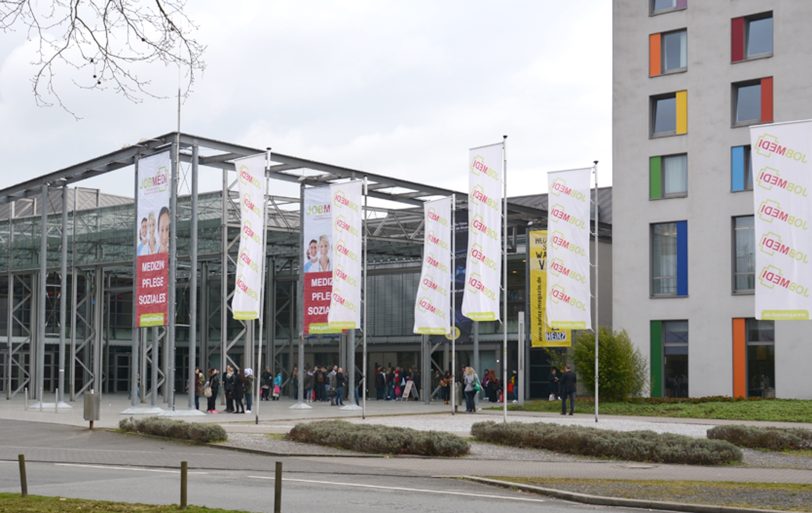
302,491
72,462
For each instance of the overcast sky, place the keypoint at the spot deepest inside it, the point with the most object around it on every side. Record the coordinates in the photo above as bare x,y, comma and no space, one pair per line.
396,88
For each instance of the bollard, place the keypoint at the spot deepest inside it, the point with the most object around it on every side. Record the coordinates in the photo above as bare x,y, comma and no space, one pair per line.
25,394
277,489
23,478
41,398
56,401
184,471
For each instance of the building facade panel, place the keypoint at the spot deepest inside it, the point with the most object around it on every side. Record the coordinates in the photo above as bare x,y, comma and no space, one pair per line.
709,205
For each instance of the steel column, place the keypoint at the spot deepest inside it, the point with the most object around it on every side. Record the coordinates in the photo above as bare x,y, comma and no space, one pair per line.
97,323
136,353
10,330
43,294
173,264
193,285
63,295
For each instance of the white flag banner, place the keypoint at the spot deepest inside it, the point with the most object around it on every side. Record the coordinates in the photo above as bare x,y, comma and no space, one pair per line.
345,301
483,268
568,291
431,309
245,304
782,181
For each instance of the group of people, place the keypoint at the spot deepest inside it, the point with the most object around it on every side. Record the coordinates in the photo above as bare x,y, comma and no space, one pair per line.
237,386
391,383
322,385
563,388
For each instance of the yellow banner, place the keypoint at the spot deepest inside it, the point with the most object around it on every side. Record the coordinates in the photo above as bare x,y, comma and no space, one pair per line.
541,335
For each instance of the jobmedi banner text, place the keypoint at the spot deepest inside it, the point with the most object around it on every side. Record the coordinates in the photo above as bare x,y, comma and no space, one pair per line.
431,309
345,301
781,187
541,334
568,293
483,268
245,303
317,258
152,240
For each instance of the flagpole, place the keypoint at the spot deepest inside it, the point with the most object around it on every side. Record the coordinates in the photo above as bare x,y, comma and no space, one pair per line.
453,387
597,282
258,369
504,278
364,358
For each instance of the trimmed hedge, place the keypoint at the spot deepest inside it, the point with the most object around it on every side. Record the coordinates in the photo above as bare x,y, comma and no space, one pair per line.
623,445
169,428
772,438
379,439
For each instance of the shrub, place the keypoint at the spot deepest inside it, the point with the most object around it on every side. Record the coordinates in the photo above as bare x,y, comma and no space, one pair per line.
379,439
772,438
622,368
631,445
169,428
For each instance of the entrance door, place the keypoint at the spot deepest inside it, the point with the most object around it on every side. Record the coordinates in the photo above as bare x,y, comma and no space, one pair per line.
121,372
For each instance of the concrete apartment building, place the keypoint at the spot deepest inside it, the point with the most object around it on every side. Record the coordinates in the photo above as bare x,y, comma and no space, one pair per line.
689,77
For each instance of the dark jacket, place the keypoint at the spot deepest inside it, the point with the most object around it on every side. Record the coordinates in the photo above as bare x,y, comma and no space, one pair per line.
568,382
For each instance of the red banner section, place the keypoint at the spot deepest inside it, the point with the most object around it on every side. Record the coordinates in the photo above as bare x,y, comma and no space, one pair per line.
318,288
151,300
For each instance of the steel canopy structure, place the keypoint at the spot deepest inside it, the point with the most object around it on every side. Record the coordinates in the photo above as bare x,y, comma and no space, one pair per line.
53,232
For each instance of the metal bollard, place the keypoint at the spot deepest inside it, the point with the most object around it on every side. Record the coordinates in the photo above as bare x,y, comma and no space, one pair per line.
41,398
184,480
277,489
23,477
56,401
25,394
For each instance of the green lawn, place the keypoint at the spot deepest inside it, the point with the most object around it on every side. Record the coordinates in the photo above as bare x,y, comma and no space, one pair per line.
13,503
783,410
786,497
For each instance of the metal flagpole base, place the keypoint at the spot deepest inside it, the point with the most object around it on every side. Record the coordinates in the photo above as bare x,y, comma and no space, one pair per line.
300,406
182,413
350,407
142,410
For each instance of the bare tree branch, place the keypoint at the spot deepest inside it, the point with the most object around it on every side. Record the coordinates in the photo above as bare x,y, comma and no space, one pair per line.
108,41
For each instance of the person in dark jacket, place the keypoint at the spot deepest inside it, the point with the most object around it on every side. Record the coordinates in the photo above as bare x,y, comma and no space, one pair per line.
340,381
214,384
568,381
228,387
238,391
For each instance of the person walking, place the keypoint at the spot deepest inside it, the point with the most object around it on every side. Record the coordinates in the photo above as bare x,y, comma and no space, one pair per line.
568,381
555,385
472,386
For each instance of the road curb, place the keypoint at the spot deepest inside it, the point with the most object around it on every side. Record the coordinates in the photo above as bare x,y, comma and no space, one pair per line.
617,501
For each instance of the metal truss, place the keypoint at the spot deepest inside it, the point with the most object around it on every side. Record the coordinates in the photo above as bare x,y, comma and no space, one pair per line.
17,376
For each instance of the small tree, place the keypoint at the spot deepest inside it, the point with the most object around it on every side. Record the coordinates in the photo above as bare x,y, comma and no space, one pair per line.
622,369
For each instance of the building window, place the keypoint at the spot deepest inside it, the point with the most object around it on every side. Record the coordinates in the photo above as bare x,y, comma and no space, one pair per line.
668,176
751,37
662,6
741,170
668,52
753,102
669,259
669,358
744,254
669,114
760,358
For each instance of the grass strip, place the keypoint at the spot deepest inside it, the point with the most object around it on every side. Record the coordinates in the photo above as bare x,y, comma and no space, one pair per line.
775,410
777,496
14,503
